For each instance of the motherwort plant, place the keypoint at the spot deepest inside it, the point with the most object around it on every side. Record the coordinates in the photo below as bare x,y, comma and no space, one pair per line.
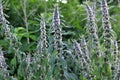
115,64
3,65
13,41
85,62
108,38
85,67
42,45
57,30
92,29
117,77
77,49
84,49
6,28
106,27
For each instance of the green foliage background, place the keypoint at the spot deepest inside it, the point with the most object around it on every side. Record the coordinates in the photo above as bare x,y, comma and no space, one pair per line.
73,14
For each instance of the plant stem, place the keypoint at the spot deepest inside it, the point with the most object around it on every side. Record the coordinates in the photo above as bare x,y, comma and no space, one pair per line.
25,18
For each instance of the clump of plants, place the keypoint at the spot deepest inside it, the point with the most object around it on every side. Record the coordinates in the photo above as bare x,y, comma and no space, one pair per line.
92,56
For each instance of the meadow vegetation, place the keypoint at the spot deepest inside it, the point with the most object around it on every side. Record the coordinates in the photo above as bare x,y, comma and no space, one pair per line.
50,40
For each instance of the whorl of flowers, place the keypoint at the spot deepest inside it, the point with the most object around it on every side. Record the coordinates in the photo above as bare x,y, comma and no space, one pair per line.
83,60
3,65
28,59
57,36
77,49
106,26
85,49
3,22
118,73
115,52
1,13
92,29
115,57
79,54
43,38
57,29
56,16
94,6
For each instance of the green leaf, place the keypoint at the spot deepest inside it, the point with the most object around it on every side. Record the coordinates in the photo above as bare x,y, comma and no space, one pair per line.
13,63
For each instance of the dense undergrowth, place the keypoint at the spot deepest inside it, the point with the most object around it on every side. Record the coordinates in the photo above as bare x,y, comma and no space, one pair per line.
45,48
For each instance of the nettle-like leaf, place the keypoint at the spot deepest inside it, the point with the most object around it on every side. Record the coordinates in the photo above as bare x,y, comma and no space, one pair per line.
20,32
14,63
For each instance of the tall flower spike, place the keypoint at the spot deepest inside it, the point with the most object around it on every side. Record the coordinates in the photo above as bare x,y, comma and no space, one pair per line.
94,6
7,32
92,30
107,35
106,23
106,27
118,73
116,60
3,65
5,27
1,13
115,53
80,55
28,59
57,29
115,48
4,23
77,49
58,37
85,49
42,45
56,16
